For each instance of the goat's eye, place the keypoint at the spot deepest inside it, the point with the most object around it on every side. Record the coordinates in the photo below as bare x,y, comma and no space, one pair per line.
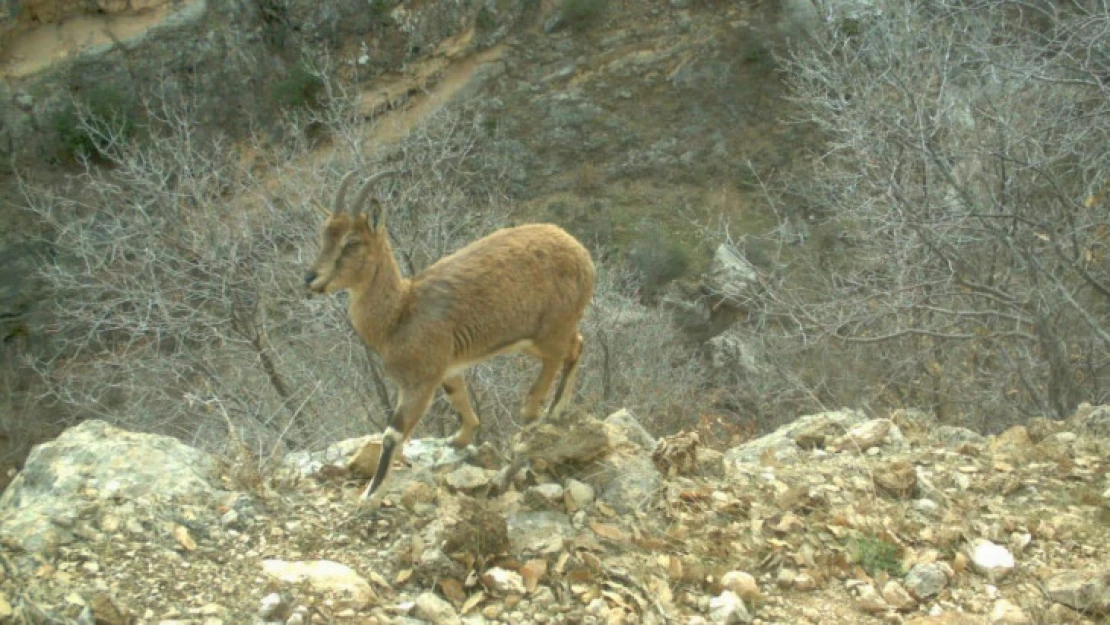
351,243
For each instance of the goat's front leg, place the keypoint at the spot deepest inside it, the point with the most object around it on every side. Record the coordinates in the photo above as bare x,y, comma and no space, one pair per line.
413,403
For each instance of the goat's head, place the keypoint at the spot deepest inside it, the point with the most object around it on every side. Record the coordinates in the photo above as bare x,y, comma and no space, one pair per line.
351,242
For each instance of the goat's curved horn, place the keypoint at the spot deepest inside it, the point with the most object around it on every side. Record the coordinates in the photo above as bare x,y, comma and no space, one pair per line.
341,193
364,192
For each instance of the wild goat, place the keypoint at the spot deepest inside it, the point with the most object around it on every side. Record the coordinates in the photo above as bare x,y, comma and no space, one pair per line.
521,289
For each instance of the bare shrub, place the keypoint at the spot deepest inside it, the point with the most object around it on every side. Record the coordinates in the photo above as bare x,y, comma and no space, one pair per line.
178,302
177,280
636,359
959,210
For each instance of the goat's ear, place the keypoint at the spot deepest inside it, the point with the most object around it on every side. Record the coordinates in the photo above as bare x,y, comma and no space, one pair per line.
320,208
376,214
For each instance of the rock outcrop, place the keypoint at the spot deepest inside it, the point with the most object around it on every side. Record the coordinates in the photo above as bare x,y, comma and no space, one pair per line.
835,518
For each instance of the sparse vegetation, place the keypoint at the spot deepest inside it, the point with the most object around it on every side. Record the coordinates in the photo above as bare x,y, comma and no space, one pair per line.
877,556
485,21
579,15
92,122
958,210
658,258
301,88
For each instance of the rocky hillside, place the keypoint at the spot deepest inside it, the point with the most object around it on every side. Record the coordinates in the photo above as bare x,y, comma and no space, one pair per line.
633,126
837,518
627,122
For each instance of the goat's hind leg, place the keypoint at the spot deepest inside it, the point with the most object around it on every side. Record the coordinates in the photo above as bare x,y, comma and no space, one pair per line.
455,387
565,390
530,412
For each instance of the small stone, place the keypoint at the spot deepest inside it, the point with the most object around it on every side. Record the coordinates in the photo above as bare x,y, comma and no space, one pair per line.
1006,613
805,582
1019,541
543,597
741,583
230,519
274,607
786,577
991,560
925,580
1014,442
503,582
184,538
578,495
896,595
469,478
430,607
870,601
25,101
1085,591
926,506
544,497
110,524
897,479
728,608
300,616
106,611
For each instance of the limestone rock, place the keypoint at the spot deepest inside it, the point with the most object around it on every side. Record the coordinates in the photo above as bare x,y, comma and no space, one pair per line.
625,429
324,576
469,478
1006,613
991,560
895,594
1086,591
870,601
677,454
628,482
731,277
863,436
578,495
538,533
94,463
925,580
897,479
431,608
741,583
781,443
1094,421
728,608
954,437
549,495
1014,442
503,582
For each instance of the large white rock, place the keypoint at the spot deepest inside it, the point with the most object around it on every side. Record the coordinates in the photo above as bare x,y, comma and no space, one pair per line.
94,465
994,561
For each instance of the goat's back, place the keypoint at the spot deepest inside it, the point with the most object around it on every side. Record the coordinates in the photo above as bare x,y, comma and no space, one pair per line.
514,284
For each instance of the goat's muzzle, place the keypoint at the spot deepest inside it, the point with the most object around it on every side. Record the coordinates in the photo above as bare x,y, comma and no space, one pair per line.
310,278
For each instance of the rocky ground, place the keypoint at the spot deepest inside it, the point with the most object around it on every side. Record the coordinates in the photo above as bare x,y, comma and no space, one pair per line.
836,518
